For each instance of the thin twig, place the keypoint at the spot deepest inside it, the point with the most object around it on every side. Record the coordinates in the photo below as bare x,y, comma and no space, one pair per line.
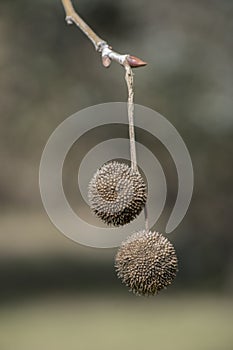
100,45
73,17
133,154
129,81
146,218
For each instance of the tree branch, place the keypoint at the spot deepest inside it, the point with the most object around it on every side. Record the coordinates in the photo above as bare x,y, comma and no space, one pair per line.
100,45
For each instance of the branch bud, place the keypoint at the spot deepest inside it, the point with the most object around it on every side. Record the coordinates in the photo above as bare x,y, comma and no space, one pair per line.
135,62
106,61
69,20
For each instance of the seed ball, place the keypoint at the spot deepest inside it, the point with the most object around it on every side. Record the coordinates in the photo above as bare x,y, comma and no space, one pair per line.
117,194
146,263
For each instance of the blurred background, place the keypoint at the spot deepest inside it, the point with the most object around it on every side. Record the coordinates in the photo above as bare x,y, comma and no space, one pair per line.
54,293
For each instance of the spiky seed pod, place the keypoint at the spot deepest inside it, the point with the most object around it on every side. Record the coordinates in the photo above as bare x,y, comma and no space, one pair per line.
146,263
117,194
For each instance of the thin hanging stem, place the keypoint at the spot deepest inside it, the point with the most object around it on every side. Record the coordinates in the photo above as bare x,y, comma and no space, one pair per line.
133,154
146,218
129,81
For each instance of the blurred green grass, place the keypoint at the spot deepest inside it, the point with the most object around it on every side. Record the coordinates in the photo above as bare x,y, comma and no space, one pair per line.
184,323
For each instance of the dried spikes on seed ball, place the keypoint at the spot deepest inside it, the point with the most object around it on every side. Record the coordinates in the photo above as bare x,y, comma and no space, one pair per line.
146,263
117,193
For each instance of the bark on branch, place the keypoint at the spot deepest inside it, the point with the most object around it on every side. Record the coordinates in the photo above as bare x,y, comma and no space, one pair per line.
108,55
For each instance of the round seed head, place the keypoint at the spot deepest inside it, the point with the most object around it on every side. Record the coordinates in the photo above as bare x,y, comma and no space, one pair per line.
146,263
117,194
